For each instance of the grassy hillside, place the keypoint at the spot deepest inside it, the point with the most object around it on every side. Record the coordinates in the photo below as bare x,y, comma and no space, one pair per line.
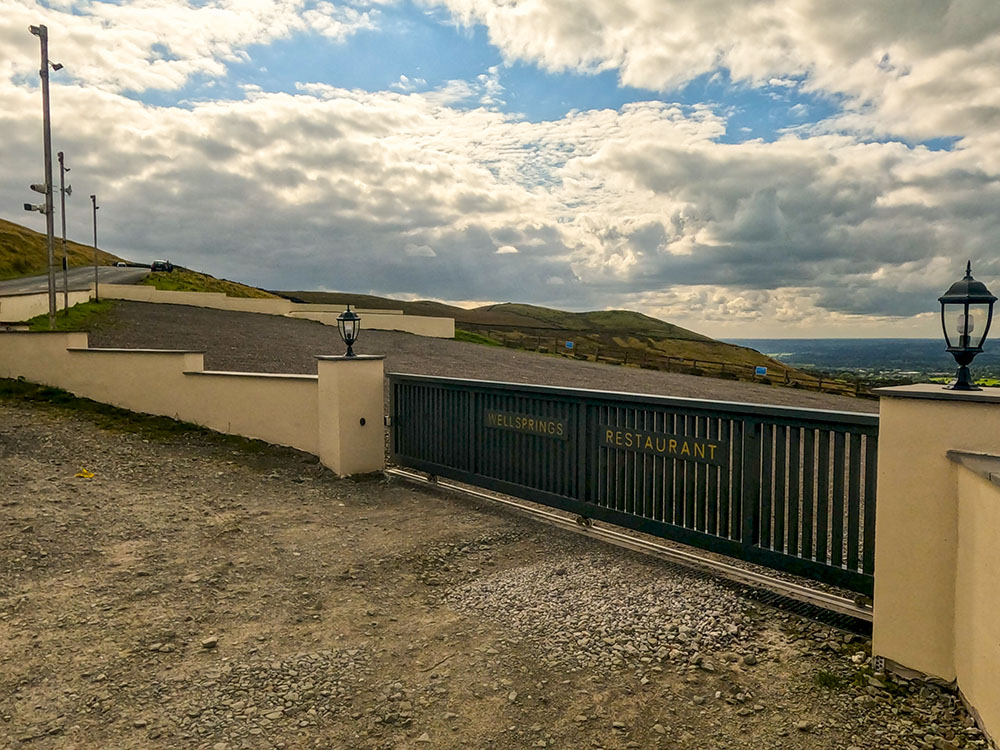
604,330
23,252
186,280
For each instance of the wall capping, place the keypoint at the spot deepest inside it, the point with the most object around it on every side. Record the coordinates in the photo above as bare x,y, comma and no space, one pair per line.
80,349
272,375
985,465
355,358
935,392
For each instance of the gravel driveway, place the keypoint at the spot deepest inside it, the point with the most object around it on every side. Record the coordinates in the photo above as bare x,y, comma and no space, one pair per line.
266,343
198,592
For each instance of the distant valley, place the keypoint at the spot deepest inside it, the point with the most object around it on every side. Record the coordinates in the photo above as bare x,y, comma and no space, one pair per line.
876,358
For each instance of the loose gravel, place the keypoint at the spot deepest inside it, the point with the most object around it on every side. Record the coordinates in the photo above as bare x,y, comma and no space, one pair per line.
640,620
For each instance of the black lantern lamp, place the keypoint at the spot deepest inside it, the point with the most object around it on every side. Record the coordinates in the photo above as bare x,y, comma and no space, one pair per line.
966,310
349,323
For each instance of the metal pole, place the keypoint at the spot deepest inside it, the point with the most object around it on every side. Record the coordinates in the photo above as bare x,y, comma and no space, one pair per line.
43,35
63,169
97,294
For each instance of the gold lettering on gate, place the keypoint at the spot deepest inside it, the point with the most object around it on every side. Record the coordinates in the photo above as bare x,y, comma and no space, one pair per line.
681,447
528,424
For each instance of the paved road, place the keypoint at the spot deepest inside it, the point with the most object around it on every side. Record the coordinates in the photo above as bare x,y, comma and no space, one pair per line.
79,278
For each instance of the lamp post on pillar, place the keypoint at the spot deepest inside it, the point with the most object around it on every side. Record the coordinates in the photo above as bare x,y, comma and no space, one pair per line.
349,325
972,305
97,294
63,192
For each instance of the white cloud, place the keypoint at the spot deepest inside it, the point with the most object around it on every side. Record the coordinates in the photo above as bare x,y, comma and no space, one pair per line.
643,206
921,70
419,251
160,44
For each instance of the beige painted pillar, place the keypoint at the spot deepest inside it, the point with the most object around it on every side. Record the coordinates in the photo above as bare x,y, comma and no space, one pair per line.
917,514
351,409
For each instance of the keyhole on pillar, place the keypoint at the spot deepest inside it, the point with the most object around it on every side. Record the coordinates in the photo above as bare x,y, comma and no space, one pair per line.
362,421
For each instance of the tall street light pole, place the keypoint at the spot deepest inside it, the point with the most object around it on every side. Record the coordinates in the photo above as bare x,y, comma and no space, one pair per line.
63,192
43,36
97,294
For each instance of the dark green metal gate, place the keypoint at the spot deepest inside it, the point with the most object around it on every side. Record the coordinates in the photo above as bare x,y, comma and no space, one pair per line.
793,489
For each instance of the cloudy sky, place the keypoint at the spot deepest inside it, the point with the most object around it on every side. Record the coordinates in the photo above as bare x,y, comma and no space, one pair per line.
740,167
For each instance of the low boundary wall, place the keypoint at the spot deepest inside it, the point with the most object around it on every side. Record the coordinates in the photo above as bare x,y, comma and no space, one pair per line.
16,308
277,408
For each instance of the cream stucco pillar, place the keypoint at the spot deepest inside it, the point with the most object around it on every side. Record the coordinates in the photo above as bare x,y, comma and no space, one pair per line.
351,408
917,518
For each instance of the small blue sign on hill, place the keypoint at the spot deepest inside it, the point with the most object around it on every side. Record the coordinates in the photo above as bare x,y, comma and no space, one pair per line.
758,370
569,344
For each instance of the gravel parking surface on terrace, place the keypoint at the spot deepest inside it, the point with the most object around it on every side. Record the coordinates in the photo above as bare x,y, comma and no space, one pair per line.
202,592
267,343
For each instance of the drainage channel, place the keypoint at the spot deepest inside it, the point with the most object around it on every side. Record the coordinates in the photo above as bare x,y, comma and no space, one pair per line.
820,606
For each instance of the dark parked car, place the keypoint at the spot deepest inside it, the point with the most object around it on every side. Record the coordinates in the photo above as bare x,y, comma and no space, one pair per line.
161,265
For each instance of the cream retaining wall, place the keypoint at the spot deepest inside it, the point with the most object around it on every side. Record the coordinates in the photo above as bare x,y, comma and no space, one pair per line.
421,325
937,564
378,320
18,308
280,409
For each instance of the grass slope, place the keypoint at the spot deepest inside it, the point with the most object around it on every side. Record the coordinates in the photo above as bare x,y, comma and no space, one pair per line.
23,252
79,317
608,329
186,280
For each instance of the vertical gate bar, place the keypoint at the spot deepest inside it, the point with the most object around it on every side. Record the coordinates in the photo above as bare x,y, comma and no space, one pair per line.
837,502
583,446
822,498
766,484
808,480
604,453
725,476
621,422
780,476
649,470
713,481
854,501
868,556
689,485
700,475
657,471
631,459
750,488
669,493
736,451
794,489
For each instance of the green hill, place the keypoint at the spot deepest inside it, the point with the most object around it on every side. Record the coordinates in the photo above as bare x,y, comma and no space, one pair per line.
23,252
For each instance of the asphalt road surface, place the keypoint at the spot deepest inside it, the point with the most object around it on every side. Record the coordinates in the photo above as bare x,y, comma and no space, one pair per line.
79,278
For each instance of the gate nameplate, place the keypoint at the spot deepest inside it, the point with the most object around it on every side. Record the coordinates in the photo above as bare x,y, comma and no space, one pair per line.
685,448
528,423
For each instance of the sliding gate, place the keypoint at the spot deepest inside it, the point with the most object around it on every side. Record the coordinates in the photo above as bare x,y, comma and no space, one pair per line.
793,489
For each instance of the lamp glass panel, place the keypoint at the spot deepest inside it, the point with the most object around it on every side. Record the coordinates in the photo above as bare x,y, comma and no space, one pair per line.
980,314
